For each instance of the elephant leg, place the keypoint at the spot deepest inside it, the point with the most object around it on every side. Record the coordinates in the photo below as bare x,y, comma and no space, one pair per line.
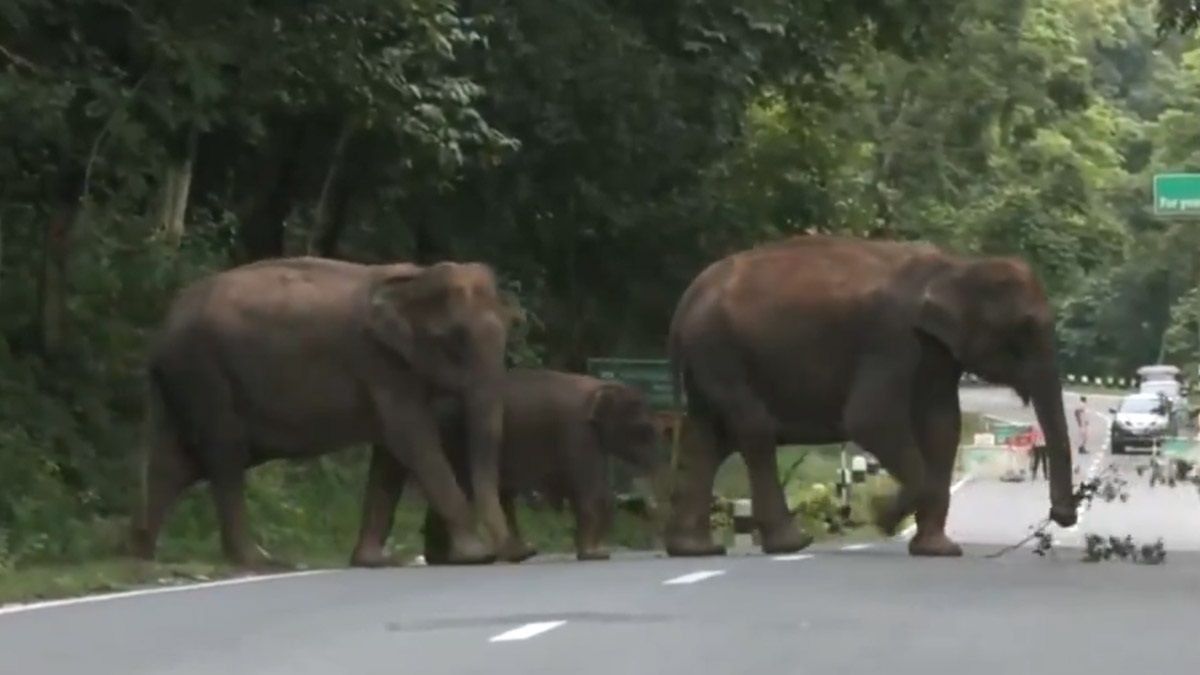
877,419
938,430
688,530
756,434
483,476
411,435
593,521
385,484
508,503
225,456
168,473
229,496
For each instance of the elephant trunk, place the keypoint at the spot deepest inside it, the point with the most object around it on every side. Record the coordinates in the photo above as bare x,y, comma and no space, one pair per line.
1047,396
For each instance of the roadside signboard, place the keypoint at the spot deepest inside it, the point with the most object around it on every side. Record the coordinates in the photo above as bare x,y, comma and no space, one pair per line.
1177,194
1005,432
652,376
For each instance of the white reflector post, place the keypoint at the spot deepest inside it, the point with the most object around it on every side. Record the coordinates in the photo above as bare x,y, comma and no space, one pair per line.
858,469
743,523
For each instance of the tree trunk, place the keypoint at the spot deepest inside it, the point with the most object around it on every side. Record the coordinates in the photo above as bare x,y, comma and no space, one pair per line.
322,235
175,192
261,234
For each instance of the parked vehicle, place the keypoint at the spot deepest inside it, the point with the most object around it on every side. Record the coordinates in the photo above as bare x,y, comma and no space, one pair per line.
1140,420
1160,377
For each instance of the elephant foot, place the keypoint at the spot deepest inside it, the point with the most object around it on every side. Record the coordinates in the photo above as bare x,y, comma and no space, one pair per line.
934,545
516,550
1064,516
469,550
597,553
785,539
692,546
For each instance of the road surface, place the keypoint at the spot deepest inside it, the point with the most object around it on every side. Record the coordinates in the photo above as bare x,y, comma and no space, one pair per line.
828,610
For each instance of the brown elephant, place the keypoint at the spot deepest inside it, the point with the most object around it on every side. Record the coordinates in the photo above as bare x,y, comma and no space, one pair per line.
292,358
822,339
560,429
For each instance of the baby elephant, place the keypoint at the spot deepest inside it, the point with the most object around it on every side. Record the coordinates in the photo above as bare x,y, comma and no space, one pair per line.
559,431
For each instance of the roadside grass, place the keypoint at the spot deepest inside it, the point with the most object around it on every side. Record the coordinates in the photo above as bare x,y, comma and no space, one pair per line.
45,582
307,514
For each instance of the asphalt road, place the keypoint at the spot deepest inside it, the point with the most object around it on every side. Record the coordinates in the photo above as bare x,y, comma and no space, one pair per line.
827,610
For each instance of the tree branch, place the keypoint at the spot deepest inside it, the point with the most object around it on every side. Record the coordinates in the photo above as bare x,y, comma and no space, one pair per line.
19,60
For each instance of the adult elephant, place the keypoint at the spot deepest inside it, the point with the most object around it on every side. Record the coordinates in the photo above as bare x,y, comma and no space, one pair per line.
821,339
296,357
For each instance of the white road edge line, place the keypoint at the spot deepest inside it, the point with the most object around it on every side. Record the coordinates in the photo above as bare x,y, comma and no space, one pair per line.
792,557
693,577
527,631
856,547
908,531
103,597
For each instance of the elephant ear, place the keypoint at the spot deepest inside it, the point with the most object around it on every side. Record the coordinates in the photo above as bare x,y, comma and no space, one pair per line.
941,312
389,317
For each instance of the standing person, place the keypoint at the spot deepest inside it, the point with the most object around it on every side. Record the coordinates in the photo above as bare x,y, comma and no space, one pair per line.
1039,456
1081,420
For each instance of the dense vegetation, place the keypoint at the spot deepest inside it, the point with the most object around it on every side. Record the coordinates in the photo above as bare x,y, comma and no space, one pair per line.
597,152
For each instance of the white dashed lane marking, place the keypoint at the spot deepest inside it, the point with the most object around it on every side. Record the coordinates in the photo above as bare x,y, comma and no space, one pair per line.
856,547
792,557
693,577
527,631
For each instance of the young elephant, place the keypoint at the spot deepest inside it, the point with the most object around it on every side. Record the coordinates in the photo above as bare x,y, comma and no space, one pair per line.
559,431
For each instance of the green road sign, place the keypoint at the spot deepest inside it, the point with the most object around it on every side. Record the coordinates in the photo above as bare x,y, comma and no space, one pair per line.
1005,431
1177,194
652,376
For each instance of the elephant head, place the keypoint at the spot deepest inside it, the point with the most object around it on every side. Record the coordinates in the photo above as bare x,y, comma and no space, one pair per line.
447,321
993,316
450,325
625,425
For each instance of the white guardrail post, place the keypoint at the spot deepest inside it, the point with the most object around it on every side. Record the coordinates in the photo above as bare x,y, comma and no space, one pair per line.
743,523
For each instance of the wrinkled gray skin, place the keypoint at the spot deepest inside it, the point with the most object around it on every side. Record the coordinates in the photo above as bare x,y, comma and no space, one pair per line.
293,358
818,339
559,431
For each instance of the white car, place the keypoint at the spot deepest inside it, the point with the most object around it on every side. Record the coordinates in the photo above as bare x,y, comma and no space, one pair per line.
1140,420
